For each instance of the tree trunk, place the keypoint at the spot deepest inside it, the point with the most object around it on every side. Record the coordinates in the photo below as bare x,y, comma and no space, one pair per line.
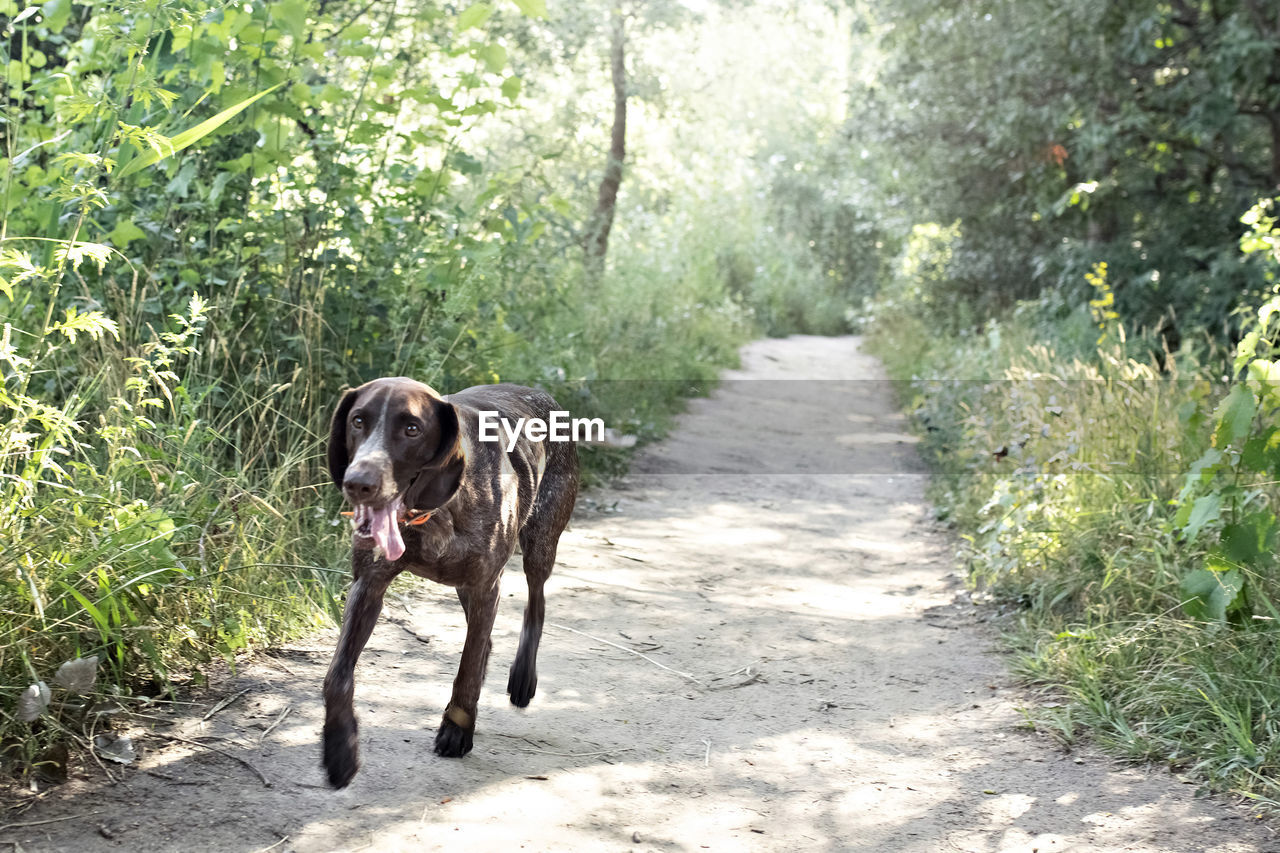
601,223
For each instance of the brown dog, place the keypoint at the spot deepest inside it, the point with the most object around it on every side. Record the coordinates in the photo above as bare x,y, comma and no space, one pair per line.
438,502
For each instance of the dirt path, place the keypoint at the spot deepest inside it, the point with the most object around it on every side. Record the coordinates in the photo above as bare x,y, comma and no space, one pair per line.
807,682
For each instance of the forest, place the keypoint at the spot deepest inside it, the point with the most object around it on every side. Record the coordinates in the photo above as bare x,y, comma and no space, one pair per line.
1054,220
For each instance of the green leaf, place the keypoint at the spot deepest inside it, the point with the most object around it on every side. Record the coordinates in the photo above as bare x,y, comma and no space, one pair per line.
465,164
1249,538
1267,310
193,135
291,15
1203,469
474,16
99,619
93,323
1258,453
17,72
533,8
494,56
332,94
19,268
1235,415
1246,350
1204,510
24,14
75,253
124,233
181,182
511,88
1264,380
1264,370
1211,592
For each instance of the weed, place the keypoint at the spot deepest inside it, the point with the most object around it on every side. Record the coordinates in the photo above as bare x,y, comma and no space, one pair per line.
1128,506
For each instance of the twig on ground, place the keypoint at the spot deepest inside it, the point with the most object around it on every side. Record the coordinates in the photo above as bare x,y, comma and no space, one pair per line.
706,758
531,743
87,745
168,721
224,703
278,720
752,678
275,661
578,754
173,780
627,650
273,846
742,670
266,783
26,823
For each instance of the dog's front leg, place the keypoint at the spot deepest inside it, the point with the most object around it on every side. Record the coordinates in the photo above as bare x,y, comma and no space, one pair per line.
454,736
364,603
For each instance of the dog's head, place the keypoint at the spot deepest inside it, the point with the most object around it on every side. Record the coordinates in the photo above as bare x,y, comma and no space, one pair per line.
394,444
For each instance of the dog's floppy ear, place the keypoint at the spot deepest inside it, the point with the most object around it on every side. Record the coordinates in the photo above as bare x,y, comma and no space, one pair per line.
440,476
338,438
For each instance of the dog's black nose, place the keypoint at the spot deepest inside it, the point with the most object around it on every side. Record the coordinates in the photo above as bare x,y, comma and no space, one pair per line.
359,485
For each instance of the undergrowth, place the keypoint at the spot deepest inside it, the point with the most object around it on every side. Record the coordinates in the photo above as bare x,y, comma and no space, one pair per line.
1123,498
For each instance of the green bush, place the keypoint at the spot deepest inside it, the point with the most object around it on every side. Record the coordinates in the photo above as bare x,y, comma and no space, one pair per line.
1123,505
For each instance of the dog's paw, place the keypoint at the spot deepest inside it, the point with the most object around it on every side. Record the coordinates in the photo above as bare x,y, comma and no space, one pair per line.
452,740
522,683
341,754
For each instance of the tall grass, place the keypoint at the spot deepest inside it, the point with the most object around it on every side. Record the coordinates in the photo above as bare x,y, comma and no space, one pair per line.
135,540
1061,458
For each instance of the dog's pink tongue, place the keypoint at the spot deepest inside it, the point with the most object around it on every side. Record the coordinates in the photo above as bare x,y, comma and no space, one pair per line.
384,524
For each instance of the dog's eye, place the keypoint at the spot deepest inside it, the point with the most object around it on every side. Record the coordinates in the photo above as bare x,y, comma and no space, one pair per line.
413,430
358,422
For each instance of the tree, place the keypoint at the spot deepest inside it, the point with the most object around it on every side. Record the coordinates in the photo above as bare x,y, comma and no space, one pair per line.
601,222
1063,132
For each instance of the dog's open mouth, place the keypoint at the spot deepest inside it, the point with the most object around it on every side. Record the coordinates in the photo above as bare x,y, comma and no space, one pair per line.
382,525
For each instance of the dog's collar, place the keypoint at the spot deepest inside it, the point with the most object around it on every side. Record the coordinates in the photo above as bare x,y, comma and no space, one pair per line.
412,518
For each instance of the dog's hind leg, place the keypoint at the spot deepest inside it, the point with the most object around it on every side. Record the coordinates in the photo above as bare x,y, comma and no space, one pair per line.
538,560
364,603
539,539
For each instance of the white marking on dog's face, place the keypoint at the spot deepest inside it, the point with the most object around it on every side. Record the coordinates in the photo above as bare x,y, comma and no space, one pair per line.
374,447
371,454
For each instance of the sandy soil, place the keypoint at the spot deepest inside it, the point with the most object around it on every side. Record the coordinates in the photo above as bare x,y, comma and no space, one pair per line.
754,644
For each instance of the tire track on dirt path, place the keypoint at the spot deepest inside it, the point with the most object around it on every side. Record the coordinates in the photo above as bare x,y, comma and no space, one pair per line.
753,645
